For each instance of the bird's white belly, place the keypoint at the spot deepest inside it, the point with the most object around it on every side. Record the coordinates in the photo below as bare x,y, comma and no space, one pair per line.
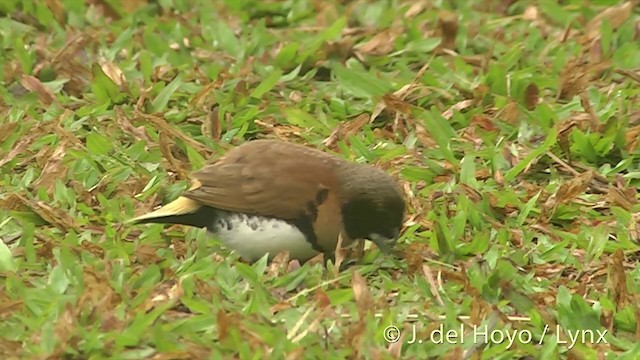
252,237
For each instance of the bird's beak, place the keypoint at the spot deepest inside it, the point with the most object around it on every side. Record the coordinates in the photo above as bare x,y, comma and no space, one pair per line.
385,244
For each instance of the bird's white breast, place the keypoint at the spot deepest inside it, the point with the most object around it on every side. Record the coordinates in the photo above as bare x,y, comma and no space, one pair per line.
252,237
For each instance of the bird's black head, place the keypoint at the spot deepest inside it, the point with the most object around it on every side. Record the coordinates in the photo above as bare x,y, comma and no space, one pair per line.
373,209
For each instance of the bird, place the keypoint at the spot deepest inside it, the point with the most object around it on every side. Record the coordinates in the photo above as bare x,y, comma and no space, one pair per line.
268,196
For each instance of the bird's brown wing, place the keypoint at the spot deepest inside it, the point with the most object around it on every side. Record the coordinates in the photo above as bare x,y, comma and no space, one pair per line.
267,178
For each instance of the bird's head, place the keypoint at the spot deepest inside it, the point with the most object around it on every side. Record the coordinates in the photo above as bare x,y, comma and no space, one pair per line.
372,207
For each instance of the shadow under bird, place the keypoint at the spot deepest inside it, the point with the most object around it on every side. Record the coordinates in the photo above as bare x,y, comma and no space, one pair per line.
268,196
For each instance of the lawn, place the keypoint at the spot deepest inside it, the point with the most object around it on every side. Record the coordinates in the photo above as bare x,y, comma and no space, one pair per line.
512,126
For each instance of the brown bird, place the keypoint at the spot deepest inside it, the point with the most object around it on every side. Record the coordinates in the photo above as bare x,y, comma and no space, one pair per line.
268,196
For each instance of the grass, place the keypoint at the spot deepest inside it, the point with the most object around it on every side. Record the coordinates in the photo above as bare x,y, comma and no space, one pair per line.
512,125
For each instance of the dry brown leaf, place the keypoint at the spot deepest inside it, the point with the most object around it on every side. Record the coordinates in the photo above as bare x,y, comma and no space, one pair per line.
448,29
402,118
147,255
318,259
165,148
201,97
357,250
618,280
113,72
586,104
57,9
9,306
173,133
380,44
476,314
573,79
214,128
594,52
176,355
355,337
577,120
321,299
577,74
517,236
279,263
138,133
569,190
433,285
400,94
97,295
615,15
480,92
166,293
294,265
339,254
404,92
279,307
66,135
416,8
511,157
224,323
511,112
564,132
498,177
364,300
65,325
104,8
458,106
483,174
53,169
92,248
340,50
631,74
6,130
424,137
377,111
531,13
531,96
484,122
133,5
395,103
471,193
70,62
414,258
620,197
40,158
632,135
54,216
13,347
346,129
281,131
34,85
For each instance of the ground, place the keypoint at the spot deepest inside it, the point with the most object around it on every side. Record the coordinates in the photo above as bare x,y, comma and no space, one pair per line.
511,125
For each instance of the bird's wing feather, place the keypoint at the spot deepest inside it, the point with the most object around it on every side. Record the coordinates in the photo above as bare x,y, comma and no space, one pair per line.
266,178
